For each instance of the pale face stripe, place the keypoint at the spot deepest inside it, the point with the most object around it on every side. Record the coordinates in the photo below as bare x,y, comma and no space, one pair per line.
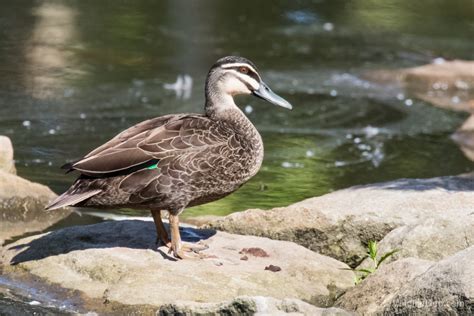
233,65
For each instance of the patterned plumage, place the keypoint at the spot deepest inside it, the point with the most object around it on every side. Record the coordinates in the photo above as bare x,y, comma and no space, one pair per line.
175,161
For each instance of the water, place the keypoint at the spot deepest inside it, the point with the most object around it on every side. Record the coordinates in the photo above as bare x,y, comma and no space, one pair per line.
73,74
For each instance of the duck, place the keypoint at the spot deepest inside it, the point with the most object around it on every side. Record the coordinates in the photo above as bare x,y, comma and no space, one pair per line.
175,161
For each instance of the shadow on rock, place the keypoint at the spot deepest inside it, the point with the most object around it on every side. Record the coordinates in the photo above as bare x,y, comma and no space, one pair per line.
460,183
134,234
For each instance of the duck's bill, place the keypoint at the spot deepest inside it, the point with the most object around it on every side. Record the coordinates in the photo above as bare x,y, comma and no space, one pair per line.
265,93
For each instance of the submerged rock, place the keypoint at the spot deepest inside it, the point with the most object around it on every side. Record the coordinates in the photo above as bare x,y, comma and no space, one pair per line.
449,84
446,84
14,307
417,287
340,224
7,163
113,262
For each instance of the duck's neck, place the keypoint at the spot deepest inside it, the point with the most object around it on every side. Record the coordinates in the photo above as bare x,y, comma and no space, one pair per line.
221,107
224,109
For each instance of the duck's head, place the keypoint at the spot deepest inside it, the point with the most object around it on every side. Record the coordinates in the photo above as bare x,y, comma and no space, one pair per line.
233,75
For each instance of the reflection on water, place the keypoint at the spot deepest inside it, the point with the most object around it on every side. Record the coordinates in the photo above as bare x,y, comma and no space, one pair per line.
73,74
46,49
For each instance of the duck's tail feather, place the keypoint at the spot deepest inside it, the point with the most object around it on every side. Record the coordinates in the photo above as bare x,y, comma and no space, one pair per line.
68,199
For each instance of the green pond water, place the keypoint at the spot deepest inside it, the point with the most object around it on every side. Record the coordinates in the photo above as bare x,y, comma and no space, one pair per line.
75,73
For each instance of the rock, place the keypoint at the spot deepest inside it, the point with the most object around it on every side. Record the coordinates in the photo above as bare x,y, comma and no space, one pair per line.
464,137
417,287
431,239
446,288
7,163
341,223
245,305
465,140
378,289
455,75
18,308
447,84
22,202
113,262
22,206
199,220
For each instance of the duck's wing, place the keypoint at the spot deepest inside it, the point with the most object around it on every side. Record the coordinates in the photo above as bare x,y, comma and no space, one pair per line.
148,142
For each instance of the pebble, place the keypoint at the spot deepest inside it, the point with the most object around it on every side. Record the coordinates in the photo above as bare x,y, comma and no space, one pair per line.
273,268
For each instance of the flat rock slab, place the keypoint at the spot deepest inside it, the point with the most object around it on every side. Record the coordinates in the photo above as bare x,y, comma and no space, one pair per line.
341,223
112,261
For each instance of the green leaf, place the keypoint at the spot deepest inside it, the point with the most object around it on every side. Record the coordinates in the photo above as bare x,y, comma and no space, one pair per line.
362,277
368,271
357,280
372,246
387,255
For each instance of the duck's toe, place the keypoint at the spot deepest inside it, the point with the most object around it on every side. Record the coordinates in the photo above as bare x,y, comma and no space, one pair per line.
159,243
194,247
188,250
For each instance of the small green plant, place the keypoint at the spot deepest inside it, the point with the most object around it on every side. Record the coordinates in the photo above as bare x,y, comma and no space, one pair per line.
372,253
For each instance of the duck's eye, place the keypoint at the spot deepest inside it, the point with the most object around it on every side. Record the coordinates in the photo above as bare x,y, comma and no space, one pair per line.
244,70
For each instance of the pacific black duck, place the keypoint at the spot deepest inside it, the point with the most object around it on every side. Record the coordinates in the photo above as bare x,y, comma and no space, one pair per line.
178,160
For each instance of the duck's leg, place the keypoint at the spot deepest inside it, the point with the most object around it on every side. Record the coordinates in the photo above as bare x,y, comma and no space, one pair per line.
177,247
162,234
175,237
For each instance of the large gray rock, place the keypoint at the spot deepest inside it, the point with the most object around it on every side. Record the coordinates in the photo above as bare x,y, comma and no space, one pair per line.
446,288
431,239
22,206
7,163
417,287
112,261
379,289
246,305
341,223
